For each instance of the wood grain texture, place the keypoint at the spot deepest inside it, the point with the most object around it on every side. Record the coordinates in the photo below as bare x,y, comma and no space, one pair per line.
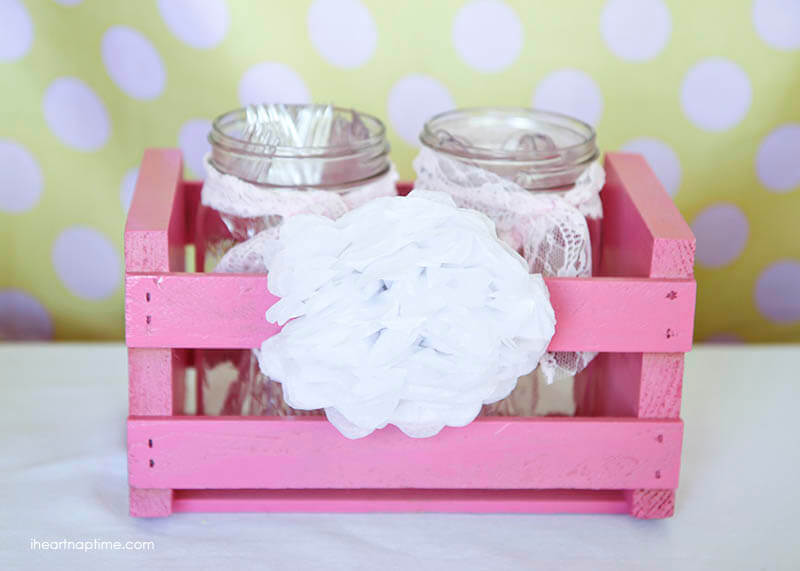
489,453
156,381
652,504
150,502
228,311
660,390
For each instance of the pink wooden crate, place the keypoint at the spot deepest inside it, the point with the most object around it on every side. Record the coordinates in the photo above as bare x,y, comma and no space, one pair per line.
620,454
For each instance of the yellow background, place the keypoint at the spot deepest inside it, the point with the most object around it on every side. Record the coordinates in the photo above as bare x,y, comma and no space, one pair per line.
640,99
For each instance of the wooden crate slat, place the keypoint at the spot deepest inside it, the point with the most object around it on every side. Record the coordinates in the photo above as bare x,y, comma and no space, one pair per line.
261,452
644,234
228,311
155,232
403,501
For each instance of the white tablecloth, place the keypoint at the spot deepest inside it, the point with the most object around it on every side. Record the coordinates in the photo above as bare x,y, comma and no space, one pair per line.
62,477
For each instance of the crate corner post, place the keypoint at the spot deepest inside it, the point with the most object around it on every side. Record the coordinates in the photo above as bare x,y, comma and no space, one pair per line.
155,238
641,212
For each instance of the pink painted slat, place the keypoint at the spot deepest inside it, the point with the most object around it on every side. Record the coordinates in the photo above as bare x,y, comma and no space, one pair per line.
644,234
227,311
490,453
403,501
155,232
622,314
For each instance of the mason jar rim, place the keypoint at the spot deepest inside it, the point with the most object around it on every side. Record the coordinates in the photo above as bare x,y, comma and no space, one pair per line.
583,151
219,137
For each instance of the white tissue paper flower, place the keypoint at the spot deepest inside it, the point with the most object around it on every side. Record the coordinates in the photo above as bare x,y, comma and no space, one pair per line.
405,311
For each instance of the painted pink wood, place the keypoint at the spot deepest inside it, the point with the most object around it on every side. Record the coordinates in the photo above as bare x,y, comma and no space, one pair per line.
490,453
150,502
403,500
644,234
227,311
191,194
622,314
647,238
660,390
156,228
652,504
644,385
156,381
155,238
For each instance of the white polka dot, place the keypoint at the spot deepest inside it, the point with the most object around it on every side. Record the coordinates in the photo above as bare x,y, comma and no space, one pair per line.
127,187
86,263
778,159
201,24
272,82
342,31
724,338
721,231
715,94
20,178
132,63
413,100
777,22
778,292
23,318
661,158
193,141
636,30
487,34
572,92
76,115
16,30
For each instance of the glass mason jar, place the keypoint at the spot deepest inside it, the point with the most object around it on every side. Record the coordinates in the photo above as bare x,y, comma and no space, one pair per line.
290,147
268,162
538,151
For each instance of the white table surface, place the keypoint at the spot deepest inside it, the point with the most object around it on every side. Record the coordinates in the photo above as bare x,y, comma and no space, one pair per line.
63,476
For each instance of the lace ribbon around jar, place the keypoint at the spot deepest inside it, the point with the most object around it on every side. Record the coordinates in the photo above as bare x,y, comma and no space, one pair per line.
235,198
548,228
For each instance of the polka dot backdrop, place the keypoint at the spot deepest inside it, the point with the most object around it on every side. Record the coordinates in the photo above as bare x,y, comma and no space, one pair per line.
706,91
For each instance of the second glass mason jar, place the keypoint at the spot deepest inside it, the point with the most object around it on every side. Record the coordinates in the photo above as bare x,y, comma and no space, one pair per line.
268,162
537,151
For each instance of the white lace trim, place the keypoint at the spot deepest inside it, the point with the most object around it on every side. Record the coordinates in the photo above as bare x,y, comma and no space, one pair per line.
236,197
233,197
549,228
